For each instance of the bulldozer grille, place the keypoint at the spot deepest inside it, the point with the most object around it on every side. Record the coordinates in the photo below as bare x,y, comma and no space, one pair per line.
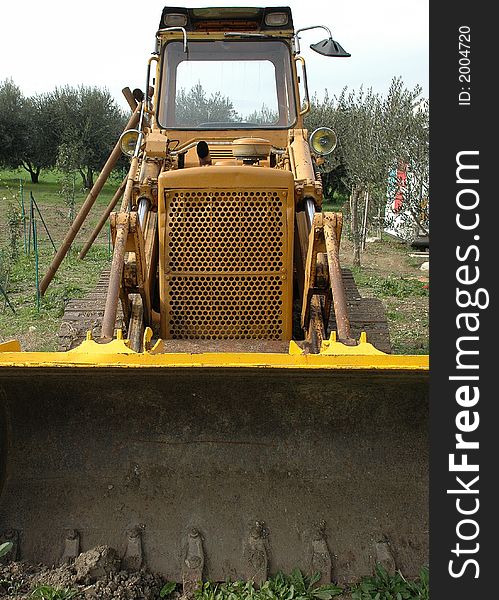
226,264
218,153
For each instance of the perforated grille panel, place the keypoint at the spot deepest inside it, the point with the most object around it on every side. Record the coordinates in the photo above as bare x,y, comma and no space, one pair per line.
226,264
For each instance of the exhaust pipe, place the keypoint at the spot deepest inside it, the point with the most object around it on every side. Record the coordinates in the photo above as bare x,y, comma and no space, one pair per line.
203,154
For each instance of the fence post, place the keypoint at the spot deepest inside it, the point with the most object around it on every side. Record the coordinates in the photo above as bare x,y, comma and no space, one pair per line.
6,299
35,249
43,221
23,213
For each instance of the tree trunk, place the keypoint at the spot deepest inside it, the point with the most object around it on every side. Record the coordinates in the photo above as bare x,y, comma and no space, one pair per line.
87,178
90,179
33,171
355,224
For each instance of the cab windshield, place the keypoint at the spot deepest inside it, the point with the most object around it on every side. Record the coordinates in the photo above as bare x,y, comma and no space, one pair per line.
220,84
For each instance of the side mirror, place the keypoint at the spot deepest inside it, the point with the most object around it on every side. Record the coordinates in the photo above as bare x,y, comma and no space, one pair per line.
329,47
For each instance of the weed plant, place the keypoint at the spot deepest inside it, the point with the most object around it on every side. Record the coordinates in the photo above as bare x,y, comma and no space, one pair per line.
48,592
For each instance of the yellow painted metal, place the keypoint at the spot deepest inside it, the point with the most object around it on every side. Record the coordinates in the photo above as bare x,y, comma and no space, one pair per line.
168,36
155,144
333,356
226,253
301,164
332,347
277,137
89,346
306,101
10,346
247,177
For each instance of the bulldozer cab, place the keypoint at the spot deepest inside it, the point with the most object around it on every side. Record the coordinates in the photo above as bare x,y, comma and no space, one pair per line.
242,422
220,79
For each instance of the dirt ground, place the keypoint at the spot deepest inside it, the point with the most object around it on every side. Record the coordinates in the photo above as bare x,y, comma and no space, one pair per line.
95,575
406,299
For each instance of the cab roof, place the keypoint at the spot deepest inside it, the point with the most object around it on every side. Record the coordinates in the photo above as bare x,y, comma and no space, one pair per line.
229,18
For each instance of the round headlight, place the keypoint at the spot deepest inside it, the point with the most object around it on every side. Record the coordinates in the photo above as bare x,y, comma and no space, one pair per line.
128,141
323,141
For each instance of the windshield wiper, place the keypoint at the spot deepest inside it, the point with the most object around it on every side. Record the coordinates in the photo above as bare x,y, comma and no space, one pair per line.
244,34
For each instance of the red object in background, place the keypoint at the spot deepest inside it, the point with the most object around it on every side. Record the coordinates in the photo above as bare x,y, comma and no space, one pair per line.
401,185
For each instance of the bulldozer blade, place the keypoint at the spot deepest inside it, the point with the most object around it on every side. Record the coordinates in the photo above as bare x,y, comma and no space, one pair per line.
194,469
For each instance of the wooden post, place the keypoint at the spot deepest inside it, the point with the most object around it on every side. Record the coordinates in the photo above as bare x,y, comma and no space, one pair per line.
87,205
104,218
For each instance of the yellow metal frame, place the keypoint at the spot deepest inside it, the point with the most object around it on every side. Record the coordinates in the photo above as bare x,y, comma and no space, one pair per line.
117,354
276,137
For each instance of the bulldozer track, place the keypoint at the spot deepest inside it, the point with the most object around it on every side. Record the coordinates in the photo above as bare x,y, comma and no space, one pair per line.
85,314
366,314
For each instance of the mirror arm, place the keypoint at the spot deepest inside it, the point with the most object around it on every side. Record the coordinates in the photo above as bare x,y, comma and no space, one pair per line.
297,39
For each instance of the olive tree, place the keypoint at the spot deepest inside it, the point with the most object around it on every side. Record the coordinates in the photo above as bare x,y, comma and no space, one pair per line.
88,122
375,135
42,138
28,138
12,126
196,106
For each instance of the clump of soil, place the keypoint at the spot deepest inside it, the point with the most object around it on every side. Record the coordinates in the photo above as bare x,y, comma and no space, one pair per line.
95,575
137,585
95,564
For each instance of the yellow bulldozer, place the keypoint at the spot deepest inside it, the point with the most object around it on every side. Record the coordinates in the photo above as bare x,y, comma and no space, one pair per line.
237,410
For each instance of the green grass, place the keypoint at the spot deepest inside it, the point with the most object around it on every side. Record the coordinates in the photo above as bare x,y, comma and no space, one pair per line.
390,275
295,586
389,286
15,189
168,588
37,329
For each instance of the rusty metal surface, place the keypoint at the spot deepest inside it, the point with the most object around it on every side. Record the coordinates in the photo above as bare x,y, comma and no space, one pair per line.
85,314
116,272
365,314
85,208
339,296
217,451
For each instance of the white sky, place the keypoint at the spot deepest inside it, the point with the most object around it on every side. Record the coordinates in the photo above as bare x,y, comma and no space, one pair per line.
106,43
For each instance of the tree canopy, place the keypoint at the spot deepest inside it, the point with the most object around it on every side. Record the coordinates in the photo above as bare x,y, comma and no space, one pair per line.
88,123
194,107
12,125
74,128
376,135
